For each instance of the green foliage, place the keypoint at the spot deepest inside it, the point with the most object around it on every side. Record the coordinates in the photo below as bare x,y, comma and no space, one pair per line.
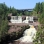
19,14
39,8
41,18
3,20
27,13
3,28
43,6
39,36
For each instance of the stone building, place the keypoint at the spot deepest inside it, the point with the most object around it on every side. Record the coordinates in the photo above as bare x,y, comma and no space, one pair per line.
22,19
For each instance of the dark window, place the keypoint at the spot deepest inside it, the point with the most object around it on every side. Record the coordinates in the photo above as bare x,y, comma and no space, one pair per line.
30,21
35,19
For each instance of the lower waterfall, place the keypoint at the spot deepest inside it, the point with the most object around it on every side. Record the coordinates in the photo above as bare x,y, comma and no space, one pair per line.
29,35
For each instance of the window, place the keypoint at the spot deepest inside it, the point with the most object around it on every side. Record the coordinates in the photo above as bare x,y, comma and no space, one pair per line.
13,18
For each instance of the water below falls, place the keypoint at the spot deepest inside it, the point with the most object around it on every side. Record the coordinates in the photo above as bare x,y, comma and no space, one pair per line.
29,35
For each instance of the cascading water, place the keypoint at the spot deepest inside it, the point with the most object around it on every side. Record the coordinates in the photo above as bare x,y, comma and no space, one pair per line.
29,35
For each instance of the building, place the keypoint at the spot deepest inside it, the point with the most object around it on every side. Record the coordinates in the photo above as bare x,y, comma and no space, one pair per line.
22,19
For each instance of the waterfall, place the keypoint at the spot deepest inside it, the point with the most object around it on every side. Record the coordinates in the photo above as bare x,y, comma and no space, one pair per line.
29,35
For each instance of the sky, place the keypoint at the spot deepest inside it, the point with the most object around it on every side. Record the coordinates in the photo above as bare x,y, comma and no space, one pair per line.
21,4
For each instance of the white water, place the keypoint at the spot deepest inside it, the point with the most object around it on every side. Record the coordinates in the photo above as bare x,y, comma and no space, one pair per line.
29,35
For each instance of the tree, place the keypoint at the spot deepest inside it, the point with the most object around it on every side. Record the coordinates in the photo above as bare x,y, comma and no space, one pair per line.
3,28
43,6
40,32
41,19
37,7
3,20
27,13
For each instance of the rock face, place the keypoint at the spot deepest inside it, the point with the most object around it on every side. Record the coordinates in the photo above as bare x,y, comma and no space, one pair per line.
16,31
28,36
15,27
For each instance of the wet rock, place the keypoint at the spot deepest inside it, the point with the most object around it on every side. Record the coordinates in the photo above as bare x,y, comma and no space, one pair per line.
19,42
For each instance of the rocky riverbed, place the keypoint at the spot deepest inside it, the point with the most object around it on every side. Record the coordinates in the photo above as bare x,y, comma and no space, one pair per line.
28,37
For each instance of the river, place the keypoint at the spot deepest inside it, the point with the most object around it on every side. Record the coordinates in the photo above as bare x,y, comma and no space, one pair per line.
29,35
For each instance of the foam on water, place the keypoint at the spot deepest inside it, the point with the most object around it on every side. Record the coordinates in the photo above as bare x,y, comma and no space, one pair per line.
29,35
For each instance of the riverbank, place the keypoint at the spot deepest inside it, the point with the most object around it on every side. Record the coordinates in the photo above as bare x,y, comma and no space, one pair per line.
28,36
